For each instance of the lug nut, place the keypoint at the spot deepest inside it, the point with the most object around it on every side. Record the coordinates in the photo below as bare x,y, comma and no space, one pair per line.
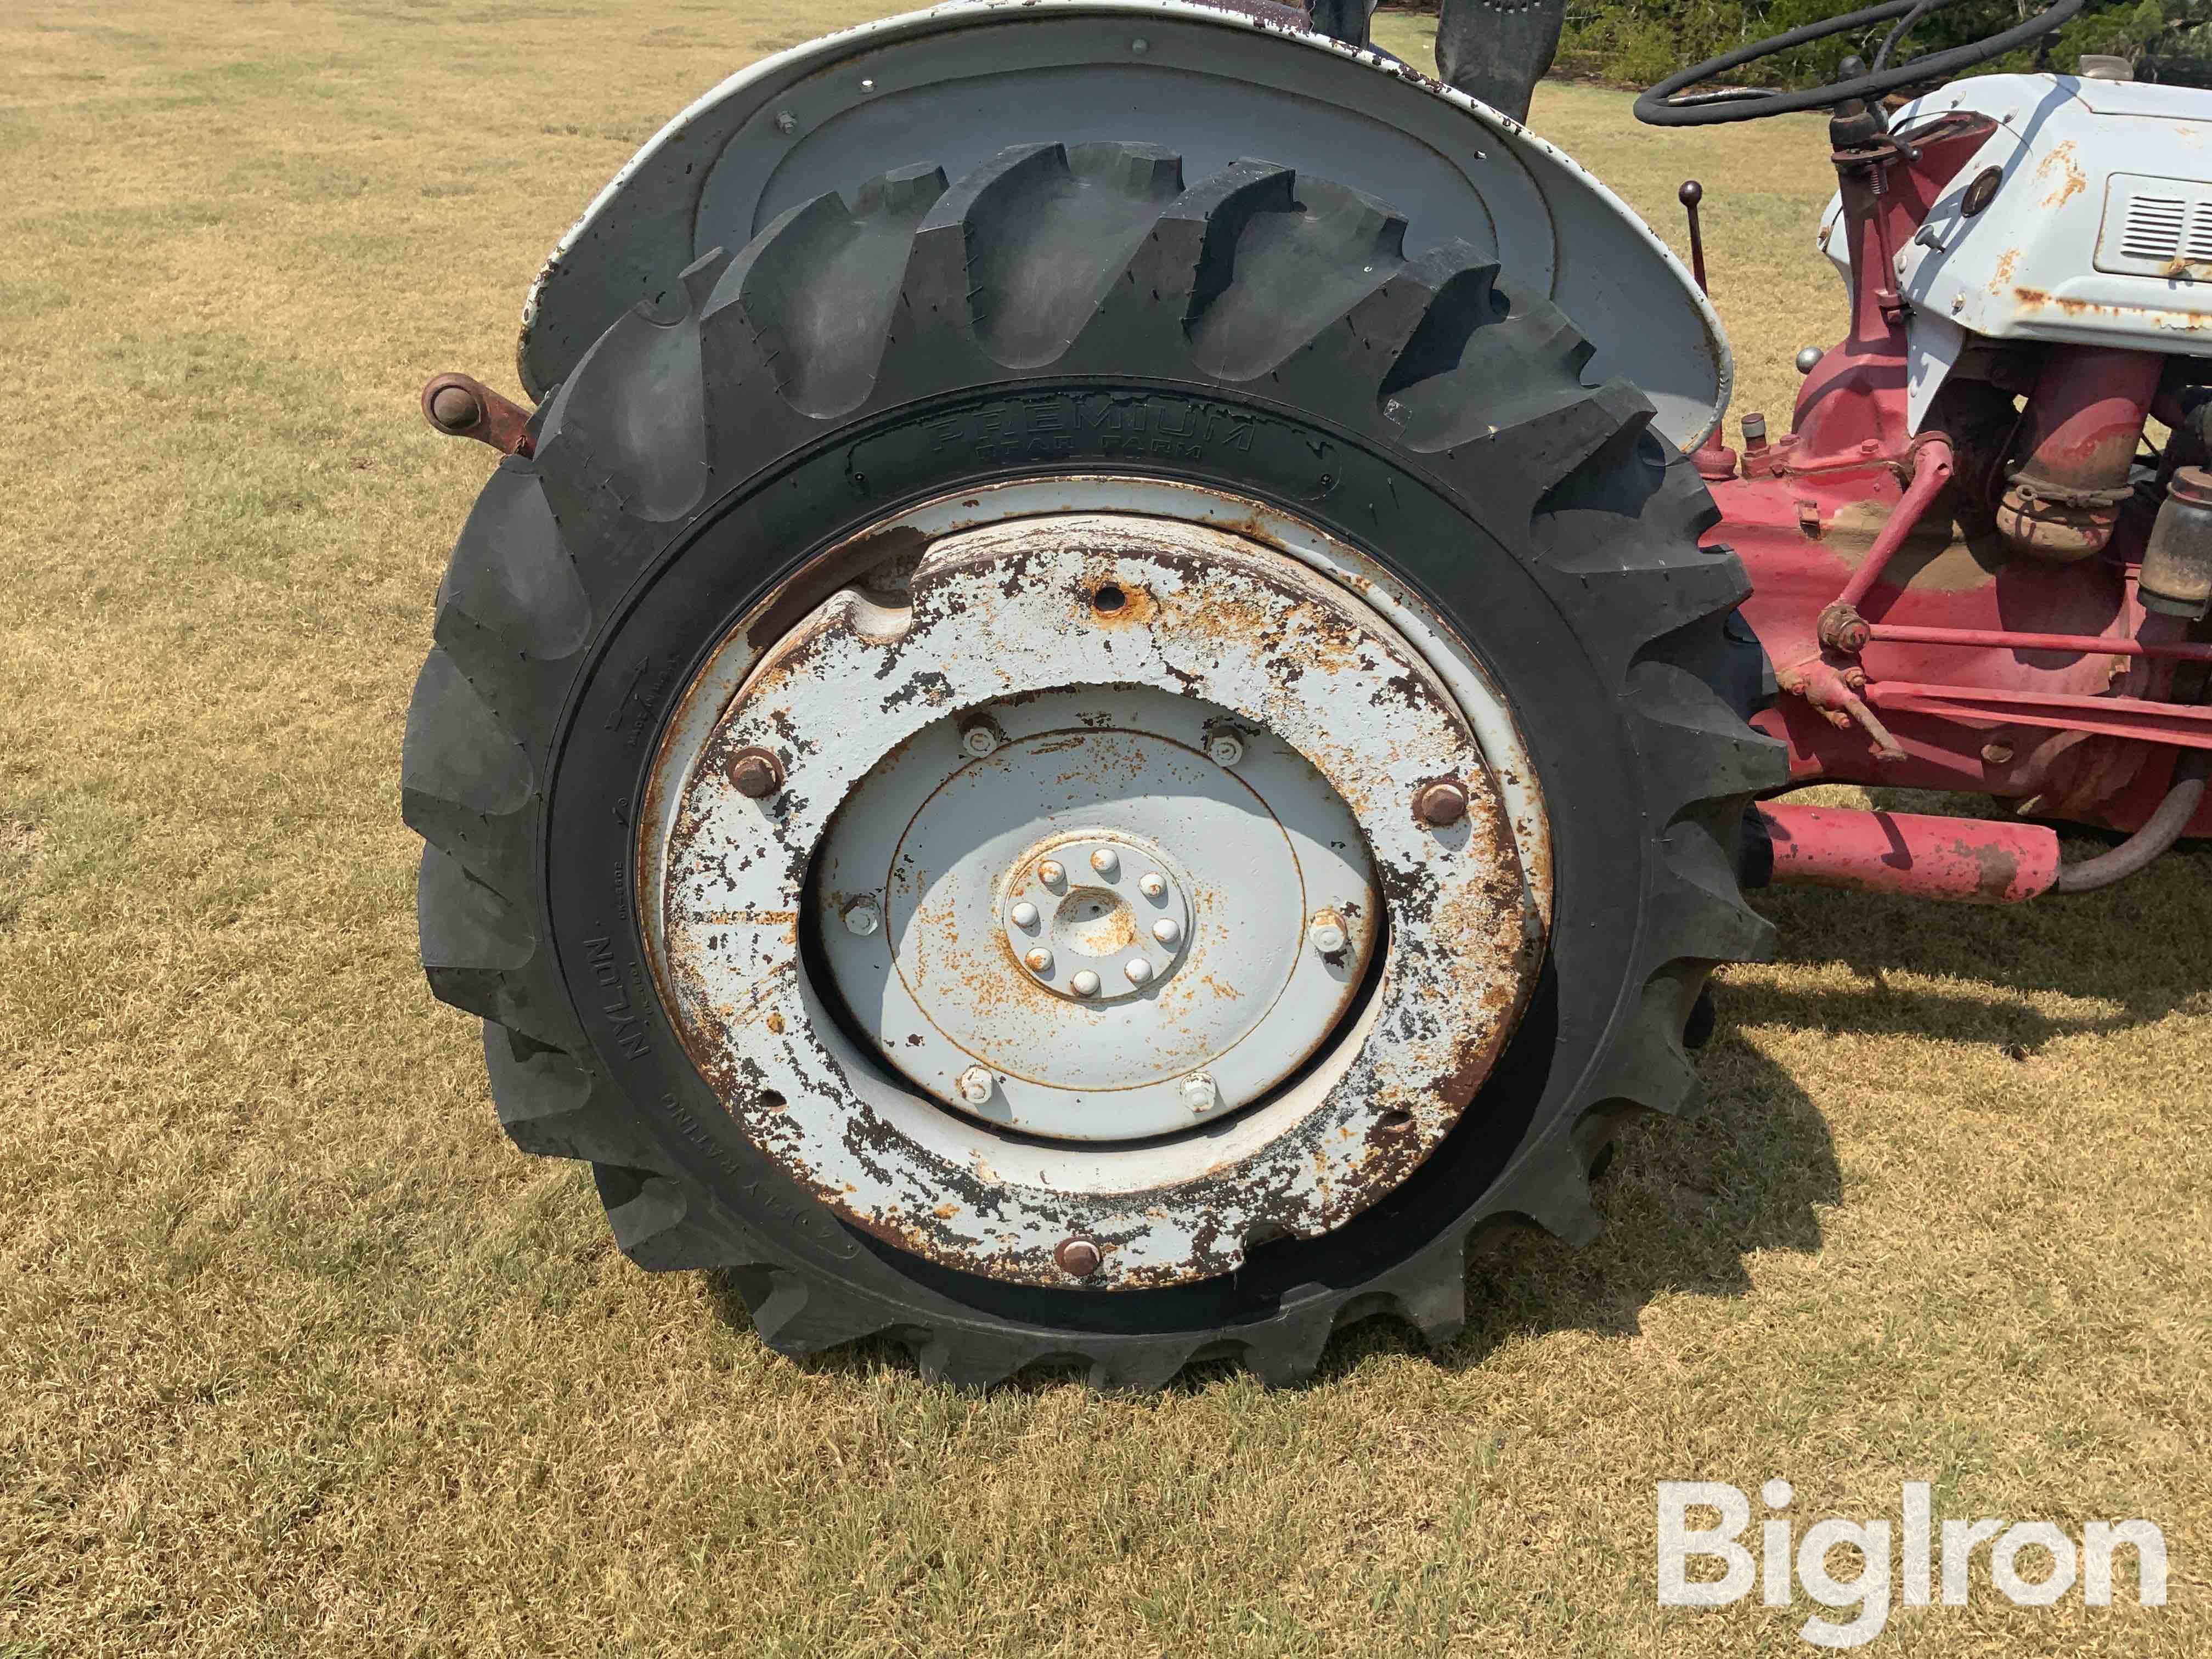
1025,915
1084,984
1050,873
1078,1258
1106,862
1198,1093
1039,960
1440,804
1137,971
974,1085
757,773
1224,749
862,917
1151,885
1167,930
978,740
1326,934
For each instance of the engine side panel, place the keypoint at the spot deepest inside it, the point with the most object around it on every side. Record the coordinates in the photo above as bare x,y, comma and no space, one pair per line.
2044,261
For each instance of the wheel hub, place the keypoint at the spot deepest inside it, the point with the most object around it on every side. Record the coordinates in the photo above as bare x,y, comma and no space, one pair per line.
1100,917
1108,921
1121,938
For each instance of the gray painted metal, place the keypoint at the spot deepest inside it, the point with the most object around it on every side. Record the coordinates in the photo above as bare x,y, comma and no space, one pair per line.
1239,859
1324,692
955,85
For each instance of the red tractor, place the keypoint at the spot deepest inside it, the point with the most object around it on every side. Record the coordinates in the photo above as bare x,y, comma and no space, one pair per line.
1084,728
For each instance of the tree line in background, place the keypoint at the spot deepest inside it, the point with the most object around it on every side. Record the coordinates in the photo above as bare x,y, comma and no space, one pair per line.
1641,41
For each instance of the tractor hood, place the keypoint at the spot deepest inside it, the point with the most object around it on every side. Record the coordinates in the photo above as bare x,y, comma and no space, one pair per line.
955,85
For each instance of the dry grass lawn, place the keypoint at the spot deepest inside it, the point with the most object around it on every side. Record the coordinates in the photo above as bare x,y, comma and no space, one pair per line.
296,1356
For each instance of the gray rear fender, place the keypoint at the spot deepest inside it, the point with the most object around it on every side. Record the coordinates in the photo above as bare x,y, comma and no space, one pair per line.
952,87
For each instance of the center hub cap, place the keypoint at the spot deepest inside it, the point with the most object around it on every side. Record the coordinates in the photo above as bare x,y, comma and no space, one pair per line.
1109,922
1098,918
1090,925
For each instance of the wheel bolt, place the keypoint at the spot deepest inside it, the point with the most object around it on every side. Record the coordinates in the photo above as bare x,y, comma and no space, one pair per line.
1078,1258
1084,984
1025,915
978,740
1050,873
1151,886
1106,862
1136,969
1326,934
1440,804
974,1085
1198,1093
862,917
757,773
1039,960
1167,930
1224,749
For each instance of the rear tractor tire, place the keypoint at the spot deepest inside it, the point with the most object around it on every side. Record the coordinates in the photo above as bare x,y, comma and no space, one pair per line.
1073,768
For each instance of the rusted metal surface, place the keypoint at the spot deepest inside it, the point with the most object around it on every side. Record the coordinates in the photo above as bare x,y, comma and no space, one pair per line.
461,407
1913,855
2078,437
1441,802
755,773
1308,672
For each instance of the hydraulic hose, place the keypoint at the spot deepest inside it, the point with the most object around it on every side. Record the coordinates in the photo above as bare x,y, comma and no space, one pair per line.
2160,831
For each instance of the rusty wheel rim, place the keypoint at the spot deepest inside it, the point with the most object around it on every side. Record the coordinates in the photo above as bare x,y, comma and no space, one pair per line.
982,1109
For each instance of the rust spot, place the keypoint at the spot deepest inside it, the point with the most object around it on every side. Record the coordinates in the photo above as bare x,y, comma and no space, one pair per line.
878,560
2073,181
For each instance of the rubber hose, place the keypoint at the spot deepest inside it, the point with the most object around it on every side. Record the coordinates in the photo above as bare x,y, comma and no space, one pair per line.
2160,831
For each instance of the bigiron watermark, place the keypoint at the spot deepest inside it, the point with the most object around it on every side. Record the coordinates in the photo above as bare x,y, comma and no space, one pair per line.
1933,1559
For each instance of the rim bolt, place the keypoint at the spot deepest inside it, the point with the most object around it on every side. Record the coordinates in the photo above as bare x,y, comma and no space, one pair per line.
1025,915
1136,969
1198,1093
974,1085
1167,930
757,773
1106,862
1039,960
1078,1258
1151,886
1440,804
1224,749
1084,984
1050,873
862,917
980,740
1326,934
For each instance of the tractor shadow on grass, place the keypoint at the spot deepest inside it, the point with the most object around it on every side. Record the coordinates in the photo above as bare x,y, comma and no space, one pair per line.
1685,1203
2126,956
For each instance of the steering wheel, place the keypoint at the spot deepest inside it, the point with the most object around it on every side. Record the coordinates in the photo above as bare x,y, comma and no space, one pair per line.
1666,106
